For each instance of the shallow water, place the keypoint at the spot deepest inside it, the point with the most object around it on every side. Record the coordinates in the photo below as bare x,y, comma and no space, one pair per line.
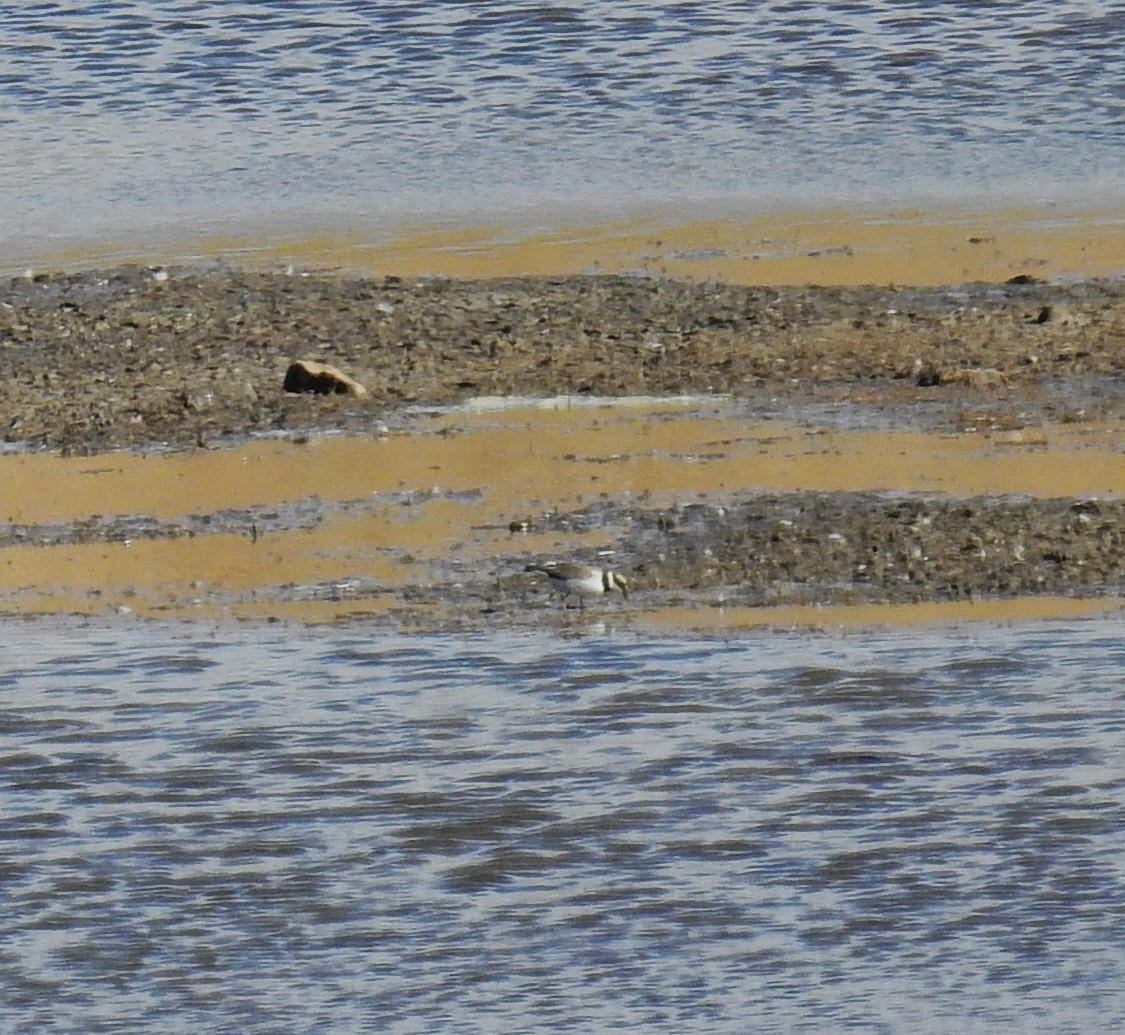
333,526
133,114
262,829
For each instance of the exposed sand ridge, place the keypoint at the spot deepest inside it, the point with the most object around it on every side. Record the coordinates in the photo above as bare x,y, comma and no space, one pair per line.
780,421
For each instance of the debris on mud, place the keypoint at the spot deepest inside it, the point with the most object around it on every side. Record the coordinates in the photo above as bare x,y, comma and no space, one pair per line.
117,358
121,358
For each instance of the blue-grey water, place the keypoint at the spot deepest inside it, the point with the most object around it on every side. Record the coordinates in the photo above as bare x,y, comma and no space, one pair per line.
132,114
262,831
340,830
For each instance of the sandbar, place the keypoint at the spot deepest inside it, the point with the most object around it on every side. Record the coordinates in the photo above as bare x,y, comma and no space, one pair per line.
156,470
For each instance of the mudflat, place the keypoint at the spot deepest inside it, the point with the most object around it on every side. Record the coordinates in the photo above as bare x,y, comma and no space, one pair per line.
128,357
771,448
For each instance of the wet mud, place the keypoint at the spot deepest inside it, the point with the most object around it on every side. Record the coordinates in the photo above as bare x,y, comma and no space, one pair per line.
784,448
133,357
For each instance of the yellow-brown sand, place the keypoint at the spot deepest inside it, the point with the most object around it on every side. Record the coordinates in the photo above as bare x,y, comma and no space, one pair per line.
447,490
559,459
905,247
867,616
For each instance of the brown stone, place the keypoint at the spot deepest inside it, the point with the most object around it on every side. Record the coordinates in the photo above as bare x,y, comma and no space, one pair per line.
306,375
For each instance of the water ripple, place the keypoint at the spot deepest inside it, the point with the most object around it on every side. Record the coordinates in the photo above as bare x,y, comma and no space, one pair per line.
438,105
252,830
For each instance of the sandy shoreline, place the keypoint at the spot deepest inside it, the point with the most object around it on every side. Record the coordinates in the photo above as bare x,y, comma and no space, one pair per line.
991,393
916,247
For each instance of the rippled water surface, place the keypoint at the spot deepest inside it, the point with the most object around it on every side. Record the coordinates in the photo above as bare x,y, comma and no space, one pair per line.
146,111
257,830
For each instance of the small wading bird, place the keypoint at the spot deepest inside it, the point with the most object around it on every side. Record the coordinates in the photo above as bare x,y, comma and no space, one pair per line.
581,580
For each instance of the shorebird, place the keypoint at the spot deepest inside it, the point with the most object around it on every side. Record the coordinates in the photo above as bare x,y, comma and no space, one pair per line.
581,580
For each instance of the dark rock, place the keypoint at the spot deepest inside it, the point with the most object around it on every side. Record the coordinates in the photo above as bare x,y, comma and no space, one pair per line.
306,375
